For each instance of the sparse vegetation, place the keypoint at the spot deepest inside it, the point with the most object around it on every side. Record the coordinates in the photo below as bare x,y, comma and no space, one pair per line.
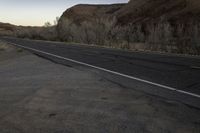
161,36
3,46
47,24
155,35
19,50
40,33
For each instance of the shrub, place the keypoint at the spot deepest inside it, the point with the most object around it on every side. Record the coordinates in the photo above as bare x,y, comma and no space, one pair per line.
156,36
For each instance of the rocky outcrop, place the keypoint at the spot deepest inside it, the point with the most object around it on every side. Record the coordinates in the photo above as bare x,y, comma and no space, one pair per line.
141,11
136,11
81,13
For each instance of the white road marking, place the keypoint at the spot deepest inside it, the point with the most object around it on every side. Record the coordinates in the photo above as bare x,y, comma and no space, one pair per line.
195,67
110,71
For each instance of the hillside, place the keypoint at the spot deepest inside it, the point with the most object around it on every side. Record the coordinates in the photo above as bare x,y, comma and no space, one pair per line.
156,25
7,29
159,25
136,11
33,32
7,26
80,13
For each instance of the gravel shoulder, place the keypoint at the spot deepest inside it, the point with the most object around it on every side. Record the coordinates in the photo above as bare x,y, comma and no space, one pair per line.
39,96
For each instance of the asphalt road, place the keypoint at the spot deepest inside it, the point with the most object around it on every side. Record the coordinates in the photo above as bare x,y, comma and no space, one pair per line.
41,96
181,73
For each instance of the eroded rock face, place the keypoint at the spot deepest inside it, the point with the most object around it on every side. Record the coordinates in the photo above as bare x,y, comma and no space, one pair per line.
87,13
80,13
136,11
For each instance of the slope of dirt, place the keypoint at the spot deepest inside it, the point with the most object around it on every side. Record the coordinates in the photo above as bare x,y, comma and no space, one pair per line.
7,29
8,52
7,26
137,11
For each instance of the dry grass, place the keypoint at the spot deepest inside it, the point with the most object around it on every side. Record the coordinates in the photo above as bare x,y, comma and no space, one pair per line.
6,48
3,46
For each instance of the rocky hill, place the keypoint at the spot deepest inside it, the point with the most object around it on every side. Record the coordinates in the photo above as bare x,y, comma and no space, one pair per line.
80,13
136,11
155,24
158,25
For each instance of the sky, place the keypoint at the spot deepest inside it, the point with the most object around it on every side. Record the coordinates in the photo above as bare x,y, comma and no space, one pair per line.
37,12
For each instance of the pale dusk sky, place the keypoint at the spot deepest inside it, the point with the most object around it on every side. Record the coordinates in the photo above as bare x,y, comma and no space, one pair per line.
37,12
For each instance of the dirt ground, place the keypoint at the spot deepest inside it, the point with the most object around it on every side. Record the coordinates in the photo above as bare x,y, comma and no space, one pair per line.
39,96
8,52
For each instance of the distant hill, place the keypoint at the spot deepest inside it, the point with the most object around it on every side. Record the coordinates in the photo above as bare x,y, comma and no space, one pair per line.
7,26
135,11
7,29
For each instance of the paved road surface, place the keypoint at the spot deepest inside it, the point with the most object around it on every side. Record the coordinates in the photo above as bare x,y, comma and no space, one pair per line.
40,96
181,73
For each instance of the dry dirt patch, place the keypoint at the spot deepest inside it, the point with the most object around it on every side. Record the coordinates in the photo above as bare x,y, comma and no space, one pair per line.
8,51
4,46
